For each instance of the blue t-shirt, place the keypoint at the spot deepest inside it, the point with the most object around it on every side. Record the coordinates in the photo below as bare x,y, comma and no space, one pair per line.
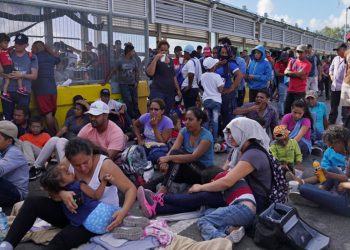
233,67
332,159
45,83
83,211
208,158
314,60
24,64
319,112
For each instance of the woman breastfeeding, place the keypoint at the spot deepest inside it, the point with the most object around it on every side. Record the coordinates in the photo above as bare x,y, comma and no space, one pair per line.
89,166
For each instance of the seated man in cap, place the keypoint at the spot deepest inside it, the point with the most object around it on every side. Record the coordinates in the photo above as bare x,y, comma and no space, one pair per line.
13,167
117,110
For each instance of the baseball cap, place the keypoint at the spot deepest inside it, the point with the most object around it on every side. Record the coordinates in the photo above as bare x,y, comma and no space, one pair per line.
207,51
98,108
105,92
311,93
340,45
21,39
189,48
209,62
281,132
301,47
8,128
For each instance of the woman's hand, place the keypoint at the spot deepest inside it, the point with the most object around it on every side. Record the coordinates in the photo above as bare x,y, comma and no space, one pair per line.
195,188
117,219
164,159
68,200
154,122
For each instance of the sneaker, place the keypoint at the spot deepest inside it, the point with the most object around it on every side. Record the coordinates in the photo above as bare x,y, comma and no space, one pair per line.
317,151
297,199
128,233
148,201
236,235
34,173
136,221
22,91
6,97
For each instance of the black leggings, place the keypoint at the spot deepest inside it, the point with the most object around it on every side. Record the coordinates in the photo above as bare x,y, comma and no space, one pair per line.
52,212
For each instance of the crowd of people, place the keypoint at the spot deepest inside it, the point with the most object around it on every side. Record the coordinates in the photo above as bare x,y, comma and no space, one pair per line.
196,101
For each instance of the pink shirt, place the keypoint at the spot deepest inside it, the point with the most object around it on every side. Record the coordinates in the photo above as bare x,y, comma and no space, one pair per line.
290,123
111,139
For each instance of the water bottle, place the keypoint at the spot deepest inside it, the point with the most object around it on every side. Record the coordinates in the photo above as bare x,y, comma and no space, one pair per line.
4,227
148,171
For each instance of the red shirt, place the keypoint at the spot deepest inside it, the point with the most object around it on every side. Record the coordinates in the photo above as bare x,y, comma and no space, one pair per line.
5,58
297,84
38,140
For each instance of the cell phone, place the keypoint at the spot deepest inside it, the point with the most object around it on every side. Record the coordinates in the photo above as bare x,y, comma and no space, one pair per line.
79,199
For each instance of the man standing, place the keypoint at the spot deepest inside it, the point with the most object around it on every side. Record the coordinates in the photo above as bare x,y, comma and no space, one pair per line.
279,68
26,65
128,78
259,72
297,70
260,109
44,87
316,71
336,73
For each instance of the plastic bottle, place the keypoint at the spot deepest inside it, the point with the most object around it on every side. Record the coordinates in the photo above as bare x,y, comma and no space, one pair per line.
4,227
148,171
320,174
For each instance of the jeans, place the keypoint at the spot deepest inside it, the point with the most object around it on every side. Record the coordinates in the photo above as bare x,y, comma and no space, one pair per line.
169,99
130,98
215,224
9,194
291,97
190,97
335,101
282,94
330,183
180,203
54,144
304,149
240,97
17,99
339,203
227,106
51,211
213,110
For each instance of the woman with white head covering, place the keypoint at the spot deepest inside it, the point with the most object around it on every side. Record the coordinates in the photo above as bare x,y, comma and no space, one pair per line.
248,160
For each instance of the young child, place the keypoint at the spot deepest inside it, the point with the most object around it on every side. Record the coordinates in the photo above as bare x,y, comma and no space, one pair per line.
287,150
213,86
33,142
94,215
8,67
177,126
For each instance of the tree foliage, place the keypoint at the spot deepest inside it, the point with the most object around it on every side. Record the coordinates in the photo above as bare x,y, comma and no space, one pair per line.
336,33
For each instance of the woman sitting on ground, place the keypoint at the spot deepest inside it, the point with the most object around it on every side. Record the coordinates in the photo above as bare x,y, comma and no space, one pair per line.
191,153
157,129
74,123
332,193
299,122
90,166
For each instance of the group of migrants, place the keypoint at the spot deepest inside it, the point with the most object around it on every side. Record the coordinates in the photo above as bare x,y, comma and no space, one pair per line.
196,102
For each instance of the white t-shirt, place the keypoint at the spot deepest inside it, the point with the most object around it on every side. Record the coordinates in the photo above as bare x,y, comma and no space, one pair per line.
210,82
113,104
192,66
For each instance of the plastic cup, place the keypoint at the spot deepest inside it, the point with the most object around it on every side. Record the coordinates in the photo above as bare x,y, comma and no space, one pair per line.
293,186
162,59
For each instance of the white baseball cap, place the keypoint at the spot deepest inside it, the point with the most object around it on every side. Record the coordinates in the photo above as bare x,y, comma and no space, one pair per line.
209,62
98,108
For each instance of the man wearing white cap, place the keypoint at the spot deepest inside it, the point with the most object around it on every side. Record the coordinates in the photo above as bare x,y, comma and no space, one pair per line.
213,85
13,167
101,131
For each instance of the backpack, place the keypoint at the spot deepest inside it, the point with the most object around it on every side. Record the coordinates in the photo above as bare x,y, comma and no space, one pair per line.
279,185
134,163
179,77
